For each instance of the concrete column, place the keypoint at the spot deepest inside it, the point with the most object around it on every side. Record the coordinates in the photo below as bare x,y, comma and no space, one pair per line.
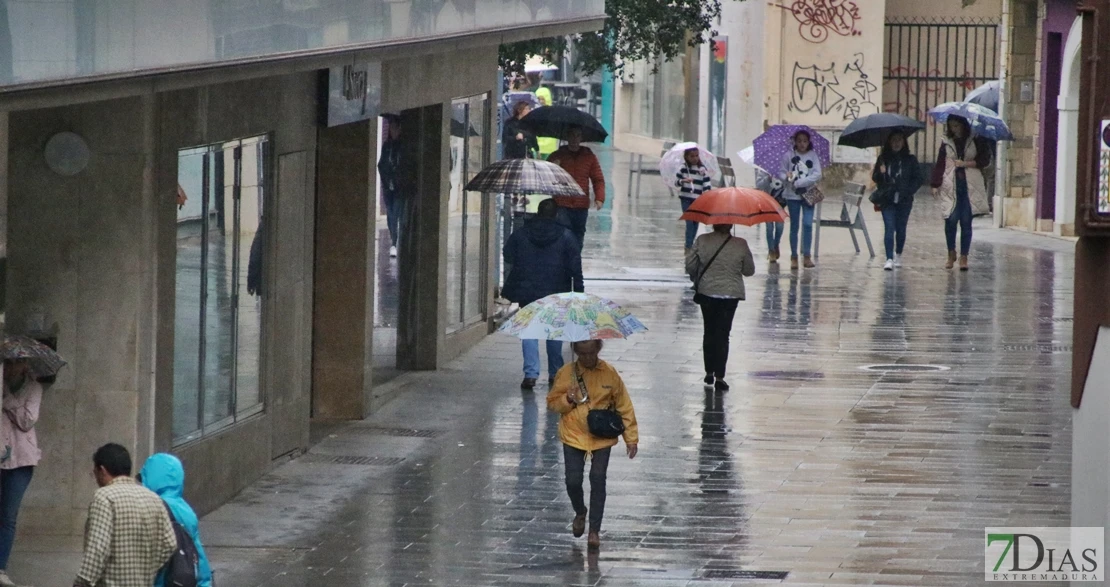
343,304
423,239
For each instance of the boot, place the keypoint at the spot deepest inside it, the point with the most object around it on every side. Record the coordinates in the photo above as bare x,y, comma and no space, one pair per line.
808,262
793,263
773,256
963,262
593,542
951,260
578,527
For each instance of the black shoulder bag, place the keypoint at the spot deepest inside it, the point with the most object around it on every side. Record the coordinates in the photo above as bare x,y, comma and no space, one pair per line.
606,423
698,298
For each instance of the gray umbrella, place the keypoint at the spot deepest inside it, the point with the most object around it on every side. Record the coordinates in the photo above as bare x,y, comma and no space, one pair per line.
987,95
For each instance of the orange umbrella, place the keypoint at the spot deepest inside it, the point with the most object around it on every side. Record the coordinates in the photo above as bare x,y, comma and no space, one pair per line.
735,206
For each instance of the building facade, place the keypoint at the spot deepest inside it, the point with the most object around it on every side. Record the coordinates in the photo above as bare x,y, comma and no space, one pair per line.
191,214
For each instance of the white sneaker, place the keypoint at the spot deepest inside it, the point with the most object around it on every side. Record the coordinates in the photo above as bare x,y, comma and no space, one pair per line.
897,260
5,581
889,265
392,254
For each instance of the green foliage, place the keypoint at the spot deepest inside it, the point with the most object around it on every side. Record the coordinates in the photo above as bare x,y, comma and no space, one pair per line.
634,30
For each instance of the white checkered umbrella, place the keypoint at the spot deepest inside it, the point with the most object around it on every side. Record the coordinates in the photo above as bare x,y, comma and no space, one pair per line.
525,176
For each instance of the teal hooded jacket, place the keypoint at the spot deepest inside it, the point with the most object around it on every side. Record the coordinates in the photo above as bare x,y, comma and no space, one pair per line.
164,475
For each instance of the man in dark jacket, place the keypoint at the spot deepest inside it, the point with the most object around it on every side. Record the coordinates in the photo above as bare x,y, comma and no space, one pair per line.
545,259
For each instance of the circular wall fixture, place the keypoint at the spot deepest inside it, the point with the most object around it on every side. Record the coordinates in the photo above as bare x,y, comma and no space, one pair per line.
905,368
66,154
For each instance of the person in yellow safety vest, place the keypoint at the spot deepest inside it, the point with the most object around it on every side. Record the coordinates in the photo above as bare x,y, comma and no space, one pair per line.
548,145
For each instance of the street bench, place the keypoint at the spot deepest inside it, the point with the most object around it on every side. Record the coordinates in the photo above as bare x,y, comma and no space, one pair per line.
636,167
851,217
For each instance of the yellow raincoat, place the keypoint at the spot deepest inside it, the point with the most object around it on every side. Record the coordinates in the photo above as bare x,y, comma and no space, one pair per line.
605,386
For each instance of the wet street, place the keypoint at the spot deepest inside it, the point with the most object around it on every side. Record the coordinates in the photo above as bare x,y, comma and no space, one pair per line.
813,470
877,422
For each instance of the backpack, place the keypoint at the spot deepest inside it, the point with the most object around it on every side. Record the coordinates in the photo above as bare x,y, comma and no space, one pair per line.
182,568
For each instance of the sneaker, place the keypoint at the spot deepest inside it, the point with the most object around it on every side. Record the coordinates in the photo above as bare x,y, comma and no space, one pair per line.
889,265
528,383
578,526
393,252
898,260
5,581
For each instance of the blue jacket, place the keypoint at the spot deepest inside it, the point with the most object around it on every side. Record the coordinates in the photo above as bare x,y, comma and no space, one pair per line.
164,475
545,260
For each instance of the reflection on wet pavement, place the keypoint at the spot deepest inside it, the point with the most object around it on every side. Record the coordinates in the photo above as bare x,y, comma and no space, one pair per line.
811,471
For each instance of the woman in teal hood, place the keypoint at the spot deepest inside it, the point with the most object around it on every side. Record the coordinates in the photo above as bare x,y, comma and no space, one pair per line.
164,475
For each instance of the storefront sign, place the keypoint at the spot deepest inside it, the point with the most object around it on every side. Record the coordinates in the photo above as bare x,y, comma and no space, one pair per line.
354,93
718,82
1104,169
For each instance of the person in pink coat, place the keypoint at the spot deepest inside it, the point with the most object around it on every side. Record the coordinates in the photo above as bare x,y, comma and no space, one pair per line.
20,450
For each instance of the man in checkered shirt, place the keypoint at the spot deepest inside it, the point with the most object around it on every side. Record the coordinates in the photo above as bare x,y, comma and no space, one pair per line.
128,536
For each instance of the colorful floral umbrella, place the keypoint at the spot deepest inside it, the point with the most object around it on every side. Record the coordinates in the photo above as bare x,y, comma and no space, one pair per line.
44,361
732,205
675,159
572,317
772,146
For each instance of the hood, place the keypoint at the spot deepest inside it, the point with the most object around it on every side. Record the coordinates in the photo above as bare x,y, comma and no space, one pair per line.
543,232
164,475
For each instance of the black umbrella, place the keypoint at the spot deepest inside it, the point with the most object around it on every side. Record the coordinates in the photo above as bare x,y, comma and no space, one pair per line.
555,121
873,130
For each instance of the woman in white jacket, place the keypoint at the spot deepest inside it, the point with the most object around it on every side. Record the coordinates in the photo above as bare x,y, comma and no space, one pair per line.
801,170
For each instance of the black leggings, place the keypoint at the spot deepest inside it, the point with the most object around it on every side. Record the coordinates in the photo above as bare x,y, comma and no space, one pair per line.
717,314
575,467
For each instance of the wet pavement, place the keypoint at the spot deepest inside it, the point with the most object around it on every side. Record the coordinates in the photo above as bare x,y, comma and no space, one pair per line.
812,471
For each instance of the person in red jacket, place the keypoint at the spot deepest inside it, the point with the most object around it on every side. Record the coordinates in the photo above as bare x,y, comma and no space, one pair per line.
581,163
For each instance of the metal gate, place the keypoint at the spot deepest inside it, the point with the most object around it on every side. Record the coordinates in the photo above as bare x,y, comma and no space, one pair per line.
932,61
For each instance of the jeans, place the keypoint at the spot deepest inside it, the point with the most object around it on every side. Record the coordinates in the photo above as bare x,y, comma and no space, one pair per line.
392,214
691,226
575,220
774,235
575,461
13,484
800,209
717,314
896,217
961,219
532,358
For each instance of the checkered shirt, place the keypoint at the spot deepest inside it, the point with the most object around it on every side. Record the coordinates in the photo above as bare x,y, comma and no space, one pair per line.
128,537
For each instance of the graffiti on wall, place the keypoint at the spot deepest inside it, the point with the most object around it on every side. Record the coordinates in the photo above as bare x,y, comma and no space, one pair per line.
915,91
820,19
822,90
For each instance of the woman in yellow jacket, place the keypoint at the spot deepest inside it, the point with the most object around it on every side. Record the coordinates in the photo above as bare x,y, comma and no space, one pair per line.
604,387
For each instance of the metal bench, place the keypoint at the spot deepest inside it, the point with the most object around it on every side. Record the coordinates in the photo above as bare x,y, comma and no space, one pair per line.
851,217
636,167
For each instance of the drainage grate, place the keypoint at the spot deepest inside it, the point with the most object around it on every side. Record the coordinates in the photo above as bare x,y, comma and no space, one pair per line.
905,368
731,574
1055,319
786,375
398,432
1037,348
353,460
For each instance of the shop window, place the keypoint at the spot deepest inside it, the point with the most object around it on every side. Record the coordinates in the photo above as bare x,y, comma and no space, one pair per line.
658,99
466,283
219,286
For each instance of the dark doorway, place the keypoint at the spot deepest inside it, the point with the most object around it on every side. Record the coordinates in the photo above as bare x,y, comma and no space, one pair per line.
1046,187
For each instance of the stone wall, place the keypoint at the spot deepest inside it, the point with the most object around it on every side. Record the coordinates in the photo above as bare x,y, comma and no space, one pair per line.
1021,64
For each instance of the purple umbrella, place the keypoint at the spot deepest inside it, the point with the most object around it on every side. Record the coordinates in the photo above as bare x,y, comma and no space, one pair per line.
772,146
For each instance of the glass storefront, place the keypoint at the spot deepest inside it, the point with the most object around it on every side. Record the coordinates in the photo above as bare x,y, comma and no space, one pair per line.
466,283
218,305
657,105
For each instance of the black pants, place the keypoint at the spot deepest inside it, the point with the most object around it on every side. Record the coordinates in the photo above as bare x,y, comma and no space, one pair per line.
717,314
575,466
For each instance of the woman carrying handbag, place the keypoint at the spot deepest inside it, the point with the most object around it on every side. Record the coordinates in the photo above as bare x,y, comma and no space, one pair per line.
718,264
897,176
595,407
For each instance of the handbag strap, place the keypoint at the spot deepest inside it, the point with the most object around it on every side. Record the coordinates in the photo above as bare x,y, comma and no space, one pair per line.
711,259
582,386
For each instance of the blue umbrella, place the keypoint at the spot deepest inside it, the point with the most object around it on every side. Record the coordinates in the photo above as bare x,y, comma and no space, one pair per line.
988,95
984,122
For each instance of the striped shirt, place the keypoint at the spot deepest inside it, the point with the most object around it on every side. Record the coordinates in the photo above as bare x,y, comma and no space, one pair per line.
128,537
701,181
